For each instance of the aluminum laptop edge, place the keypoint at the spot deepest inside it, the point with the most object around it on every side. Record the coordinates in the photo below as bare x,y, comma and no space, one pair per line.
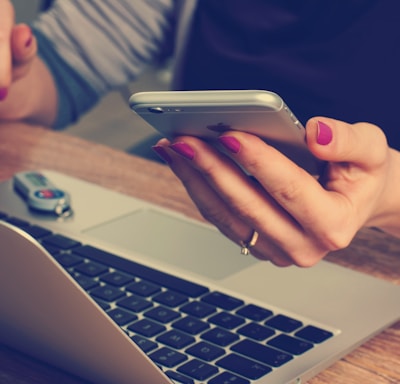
46,314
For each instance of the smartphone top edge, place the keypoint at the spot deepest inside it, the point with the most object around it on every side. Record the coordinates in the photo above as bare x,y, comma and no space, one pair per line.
222,97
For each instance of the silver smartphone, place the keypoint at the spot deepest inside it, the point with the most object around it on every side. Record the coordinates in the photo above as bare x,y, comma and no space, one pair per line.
206,114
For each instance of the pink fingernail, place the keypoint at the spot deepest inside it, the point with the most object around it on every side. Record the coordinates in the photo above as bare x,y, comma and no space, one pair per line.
3,93
184,150
162,153
28,42
230,143
324,134
29,39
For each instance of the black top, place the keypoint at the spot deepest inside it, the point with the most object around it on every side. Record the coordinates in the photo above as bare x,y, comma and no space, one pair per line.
337,59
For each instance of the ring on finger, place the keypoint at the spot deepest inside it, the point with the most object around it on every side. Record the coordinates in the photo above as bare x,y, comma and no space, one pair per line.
246,245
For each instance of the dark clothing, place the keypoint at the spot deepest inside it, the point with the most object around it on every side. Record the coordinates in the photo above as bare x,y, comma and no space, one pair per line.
337,59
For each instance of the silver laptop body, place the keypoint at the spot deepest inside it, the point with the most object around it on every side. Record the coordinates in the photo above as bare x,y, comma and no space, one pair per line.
46,313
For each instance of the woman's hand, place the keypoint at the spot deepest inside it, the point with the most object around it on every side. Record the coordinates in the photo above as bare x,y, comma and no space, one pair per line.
299,218
26,86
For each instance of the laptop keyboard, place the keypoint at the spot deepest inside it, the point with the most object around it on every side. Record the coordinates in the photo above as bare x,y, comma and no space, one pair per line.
193,333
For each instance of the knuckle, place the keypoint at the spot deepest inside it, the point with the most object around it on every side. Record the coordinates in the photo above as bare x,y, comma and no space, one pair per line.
290,191
305,258
336,237
308,256
209,169
307,262
334,242
253,165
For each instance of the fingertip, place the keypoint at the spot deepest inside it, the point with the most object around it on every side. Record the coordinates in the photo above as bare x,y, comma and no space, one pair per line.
338,141
321,140
163,142
320,135
23,43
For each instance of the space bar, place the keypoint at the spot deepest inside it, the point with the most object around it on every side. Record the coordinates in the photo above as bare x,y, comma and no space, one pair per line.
139,270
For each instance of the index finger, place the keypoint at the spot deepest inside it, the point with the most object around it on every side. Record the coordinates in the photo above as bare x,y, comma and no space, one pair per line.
6,25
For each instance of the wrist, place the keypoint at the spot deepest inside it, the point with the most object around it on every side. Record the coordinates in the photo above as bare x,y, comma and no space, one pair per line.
387,216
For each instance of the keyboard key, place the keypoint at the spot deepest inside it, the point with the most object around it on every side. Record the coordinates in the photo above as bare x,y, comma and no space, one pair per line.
17,222
226,320
134,303
284,323
222,301
314,334
254,312
37,232
220,336
116,278
191,325
144,344
176,339
170,298
162,314
103,305
121,317
167,357
197,369
143,288
261,353
107,293
179,378
243,366
68,260
146,327
198,309
132,268
91,269
51,249
290,344
61,242
84,281
205,351
256,331
227,378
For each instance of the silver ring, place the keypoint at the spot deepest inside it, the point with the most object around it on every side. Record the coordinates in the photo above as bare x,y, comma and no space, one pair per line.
246,245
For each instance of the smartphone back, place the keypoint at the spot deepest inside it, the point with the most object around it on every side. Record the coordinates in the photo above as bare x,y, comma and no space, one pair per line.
207,114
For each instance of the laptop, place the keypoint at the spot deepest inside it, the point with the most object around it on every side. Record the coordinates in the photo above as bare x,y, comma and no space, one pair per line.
124,291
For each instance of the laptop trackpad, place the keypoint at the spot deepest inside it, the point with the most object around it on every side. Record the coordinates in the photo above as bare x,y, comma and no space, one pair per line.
175,241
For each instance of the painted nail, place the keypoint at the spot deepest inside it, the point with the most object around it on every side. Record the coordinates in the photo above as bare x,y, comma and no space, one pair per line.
230,143
29,40
162,153
3,93
324,134
184,150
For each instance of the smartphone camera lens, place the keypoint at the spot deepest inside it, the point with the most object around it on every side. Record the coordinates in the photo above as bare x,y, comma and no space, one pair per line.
155,110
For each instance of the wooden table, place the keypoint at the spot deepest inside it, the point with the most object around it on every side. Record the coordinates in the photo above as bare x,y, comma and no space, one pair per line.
25,147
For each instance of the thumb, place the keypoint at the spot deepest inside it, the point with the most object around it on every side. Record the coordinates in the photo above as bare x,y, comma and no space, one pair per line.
24,47
361,144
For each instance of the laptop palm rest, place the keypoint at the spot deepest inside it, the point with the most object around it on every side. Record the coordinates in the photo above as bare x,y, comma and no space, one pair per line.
174,241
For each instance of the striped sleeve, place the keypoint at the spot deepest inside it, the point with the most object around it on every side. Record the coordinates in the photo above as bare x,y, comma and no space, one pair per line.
94,46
